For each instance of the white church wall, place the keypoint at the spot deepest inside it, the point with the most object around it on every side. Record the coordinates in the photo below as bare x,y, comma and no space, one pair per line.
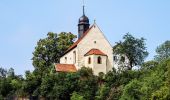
95,39
70,57
99,67
94,64
87,63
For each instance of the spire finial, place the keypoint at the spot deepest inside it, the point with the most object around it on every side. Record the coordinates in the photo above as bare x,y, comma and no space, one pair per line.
83,8
94,21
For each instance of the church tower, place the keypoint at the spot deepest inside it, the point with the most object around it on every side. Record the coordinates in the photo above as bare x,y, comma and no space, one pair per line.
83,24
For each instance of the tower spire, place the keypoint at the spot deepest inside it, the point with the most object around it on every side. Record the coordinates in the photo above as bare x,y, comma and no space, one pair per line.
83,24
83,10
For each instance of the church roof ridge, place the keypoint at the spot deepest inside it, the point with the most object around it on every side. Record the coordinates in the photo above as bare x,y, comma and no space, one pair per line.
77,42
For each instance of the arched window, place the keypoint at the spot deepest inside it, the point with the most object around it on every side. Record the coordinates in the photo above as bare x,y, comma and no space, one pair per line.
74,56
89,60
99,60
65,59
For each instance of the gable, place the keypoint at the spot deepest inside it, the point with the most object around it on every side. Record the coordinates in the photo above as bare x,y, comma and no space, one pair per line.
77,42
89,36
95,34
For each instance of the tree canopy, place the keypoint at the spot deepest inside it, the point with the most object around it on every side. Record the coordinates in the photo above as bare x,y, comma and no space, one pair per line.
132,48
51,48
163,51
150,82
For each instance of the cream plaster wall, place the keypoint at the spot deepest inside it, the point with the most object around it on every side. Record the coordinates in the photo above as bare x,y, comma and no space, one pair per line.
94,65
97,68
88,43
94,39
92,61
70,58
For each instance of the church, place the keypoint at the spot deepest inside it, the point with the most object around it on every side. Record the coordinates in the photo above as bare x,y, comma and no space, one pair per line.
92,50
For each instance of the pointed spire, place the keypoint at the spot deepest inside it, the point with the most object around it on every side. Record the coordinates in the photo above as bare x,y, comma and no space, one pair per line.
83,10
83,24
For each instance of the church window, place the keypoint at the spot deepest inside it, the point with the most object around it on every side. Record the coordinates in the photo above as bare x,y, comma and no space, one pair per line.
99,60
74,56
89,60
65,59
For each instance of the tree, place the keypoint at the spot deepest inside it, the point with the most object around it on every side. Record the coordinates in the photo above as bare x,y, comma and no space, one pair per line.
47,52
76,96
131,91
87,83
9,83
50,49
152,84
5,87
31,83
132,48
11,73
163,51
3,72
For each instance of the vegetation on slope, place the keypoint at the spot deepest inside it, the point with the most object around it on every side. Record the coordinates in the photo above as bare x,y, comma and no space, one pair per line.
150,82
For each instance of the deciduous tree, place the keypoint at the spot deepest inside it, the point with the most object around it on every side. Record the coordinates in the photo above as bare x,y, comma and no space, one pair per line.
132,48
163,51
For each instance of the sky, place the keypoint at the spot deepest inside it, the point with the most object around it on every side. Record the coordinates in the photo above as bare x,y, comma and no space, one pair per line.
24,22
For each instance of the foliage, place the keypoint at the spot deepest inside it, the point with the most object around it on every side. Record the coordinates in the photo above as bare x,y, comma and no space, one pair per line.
152,84
102,92
132,48
47,52
87,83
150,81
76,96
161,94
163,51
50,49
9,83
3,72
131,91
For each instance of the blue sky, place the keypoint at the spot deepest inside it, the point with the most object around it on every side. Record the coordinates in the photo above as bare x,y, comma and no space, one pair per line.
24,22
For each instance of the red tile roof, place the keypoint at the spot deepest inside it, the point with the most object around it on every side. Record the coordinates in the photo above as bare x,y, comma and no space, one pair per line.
65,68
95,52
75,44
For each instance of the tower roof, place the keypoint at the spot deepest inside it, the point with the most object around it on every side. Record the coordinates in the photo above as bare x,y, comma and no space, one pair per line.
83,19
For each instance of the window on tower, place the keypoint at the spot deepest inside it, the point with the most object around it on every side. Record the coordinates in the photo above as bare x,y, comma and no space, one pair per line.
81,27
